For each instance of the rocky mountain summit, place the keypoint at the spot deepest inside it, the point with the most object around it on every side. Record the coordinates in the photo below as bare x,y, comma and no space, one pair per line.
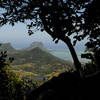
36,45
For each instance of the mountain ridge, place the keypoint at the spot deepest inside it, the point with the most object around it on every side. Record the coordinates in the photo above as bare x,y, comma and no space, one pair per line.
36,62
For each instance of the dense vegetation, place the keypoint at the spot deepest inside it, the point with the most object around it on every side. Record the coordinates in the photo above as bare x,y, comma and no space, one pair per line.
12,86
15,87
38,62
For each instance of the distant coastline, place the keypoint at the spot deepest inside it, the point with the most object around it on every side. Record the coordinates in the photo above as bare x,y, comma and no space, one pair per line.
65,55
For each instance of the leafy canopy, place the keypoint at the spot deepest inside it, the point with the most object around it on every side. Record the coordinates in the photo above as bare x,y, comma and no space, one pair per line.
59,18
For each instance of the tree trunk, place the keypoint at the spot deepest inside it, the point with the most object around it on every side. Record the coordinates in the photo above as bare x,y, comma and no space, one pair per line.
76,61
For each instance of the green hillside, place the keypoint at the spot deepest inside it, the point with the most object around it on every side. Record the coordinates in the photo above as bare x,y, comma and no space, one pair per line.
39,60
36,63
35,55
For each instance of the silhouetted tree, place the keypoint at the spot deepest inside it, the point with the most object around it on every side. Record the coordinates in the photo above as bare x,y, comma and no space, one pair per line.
91,25
3,76
91,29
59,18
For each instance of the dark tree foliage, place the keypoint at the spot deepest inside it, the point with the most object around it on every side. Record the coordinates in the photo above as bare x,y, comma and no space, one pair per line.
3,76
12,87
4,80
91,29
59,18
91,26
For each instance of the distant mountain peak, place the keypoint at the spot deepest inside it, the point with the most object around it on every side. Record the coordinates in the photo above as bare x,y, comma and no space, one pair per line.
6,47
39,45
36,43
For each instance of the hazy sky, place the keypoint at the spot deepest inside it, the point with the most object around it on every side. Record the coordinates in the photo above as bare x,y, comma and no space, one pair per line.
19,38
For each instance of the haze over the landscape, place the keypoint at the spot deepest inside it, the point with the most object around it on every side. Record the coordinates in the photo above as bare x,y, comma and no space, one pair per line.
19,38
